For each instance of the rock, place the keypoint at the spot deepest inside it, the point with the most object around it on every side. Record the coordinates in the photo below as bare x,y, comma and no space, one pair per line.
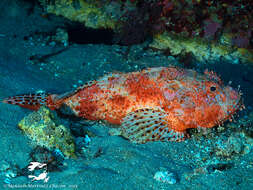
42,128
61,36
4,165
53,159
165,177
82,142
234,145
8,170
93,14
115,132
200,48
218,167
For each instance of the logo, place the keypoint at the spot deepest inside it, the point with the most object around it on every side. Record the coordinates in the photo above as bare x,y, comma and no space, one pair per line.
42,176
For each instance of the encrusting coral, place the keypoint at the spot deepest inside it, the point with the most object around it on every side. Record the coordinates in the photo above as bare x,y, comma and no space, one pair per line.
42,128
90,13
202,49
209,30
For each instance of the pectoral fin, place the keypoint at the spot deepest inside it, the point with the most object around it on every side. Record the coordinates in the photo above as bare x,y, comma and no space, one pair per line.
146,124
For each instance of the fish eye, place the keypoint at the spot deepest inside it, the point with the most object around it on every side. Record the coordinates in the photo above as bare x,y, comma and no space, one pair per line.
212,88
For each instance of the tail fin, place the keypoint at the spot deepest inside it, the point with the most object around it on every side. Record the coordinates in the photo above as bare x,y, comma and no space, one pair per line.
35,101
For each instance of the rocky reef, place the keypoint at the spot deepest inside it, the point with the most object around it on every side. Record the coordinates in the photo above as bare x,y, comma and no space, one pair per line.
94,14
201,49
208,30
43,129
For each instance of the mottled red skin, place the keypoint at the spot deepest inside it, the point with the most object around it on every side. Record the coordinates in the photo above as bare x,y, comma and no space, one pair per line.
184,95
184,98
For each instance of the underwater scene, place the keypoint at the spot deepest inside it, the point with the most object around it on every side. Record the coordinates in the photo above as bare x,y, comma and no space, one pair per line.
126,94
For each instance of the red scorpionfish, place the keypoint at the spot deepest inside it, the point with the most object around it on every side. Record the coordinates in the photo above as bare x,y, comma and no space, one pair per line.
155,104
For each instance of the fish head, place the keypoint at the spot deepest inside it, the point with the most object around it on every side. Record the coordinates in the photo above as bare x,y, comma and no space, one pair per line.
219,102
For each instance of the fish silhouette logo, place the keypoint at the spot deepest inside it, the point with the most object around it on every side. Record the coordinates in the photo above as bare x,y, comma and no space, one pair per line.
42,176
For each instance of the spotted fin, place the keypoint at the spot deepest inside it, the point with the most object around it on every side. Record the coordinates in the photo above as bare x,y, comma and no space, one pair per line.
36,100
145,125
30,101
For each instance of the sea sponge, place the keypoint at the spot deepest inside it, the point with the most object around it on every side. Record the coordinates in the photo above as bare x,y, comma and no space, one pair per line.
43,129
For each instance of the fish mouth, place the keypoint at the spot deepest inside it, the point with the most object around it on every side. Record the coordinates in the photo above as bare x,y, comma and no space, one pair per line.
233,96
233,104
234,101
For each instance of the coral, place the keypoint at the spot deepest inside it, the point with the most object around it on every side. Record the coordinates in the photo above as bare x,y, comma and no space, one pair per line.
201,49
204,28
204,18
178,45
138,23
198,23
91,13
42,128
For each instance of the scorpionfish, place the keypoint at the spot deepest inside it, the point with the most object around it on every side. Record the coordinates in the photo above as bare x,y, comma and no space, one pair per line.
155,104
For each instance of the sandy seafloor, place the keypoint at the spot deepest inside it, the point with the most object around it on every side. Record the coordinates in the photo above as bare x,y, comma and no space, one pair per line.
122,164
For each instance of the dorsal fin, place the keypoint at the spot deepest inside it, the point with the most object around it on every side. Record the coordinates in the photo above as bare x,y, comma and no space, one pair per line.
74,91
87,84
146,124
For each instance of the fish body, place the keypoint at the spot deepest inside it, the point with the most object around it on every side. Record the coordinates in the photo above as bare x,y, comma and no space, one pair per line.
155,104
